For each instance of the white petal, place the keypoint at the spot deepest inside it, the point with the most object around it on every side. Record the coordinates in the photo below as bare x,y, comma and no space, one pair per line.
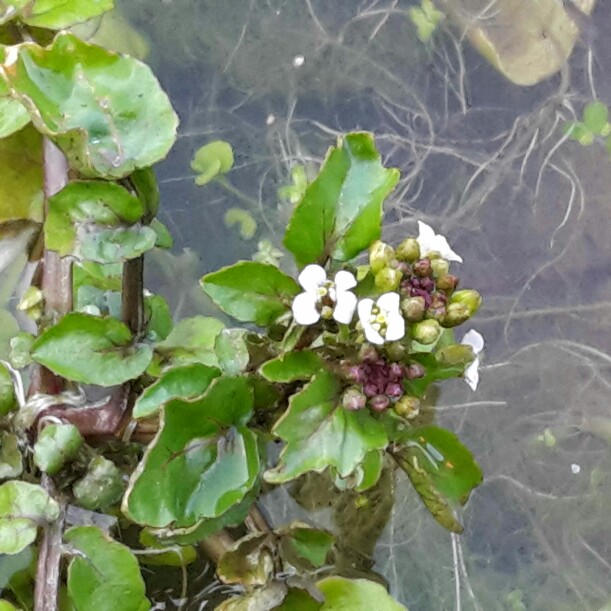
372,335
395,328
471,376
426,237
345,306
474,339
304,309
389,302
344,280
442,246
364,310
311,277
430,242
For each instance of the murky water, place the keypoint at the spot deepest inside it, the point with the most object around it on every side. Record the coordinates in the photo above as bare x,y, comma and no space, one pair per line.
487,163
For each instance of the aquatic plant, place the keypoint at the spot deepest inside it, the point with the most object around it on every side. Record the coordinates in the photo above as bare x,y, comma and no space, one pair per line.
336,365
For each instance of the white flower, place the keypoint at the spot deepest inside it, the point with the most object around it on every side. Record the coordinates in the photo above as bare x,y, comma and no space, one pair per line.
476,341
382,321
322,295
431,242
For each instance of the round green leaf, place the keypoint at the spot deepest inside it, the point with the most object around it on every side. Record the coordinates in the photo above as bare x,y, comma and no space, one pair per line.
202,462
158,316
184,382
343,594
56,15
211,160
91,350
105,111
23,507
595,117
341,211
291,367
251,291
105,575
11,461
101,486
114,245
232,351
56,445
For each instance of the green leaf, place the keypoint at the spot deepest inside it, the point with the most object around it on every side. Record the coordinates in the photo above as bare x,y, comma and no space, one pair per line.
9,9
164,237
83,203
243,219
21,176
298,600
579,132
435,371
203,461
341,212
251,291
291,367
595,117
23,507
105,111
21,346
91,350
212,160
56,15
342,594
232,351
56,445
114,245
185,382
104,575
249,562
319,433
101,486
158,318
192,340
300,542
11,461
13,116
426,19
174,556
442,470
8,400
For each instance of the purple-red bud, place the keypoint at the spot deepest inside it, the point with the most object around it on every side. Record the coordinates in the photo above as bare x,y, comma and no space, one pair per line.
415,371
393,390
353,399
422,268
379,403
370,390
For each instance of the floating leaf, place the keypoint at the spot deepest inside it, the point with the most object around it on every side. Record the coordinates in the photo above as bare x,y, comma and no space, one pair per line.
341,212
232,351
595,117
192,340
21,176
426,18
319,433
203,461
57,16
114,245
56,445
355,594
245,221
23,507
101,486
113,118
299,182
8,400
91,350
184,382
291,367
251,291
212,160
104,574
83,203
11,461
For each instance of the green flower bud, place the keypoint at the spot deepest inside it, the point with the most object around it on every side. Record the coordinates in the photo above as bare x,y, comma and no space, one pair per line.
408,250
472,299
388,279
380,255
456,314
458,354
407,407
437,312
447,283
427,331
101,486
353,399
440,267
395,351
413,308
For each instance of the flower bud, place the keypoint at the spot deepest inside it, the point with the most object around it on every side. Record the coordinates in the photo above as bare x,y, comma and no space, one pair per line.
353,399
427,331
380,255
436,311
447,283
393,390
408,250
379,403
395,351
368,354
396,371
388,279
440,267
354,373
472,299
407,407
422,268
456,314
413,308
370,390
415,371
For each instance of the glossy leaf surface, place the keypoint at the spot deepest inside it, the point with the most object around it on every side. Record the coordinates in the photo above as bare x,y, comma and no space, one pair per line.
56,15
56,445
291,367
342,594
